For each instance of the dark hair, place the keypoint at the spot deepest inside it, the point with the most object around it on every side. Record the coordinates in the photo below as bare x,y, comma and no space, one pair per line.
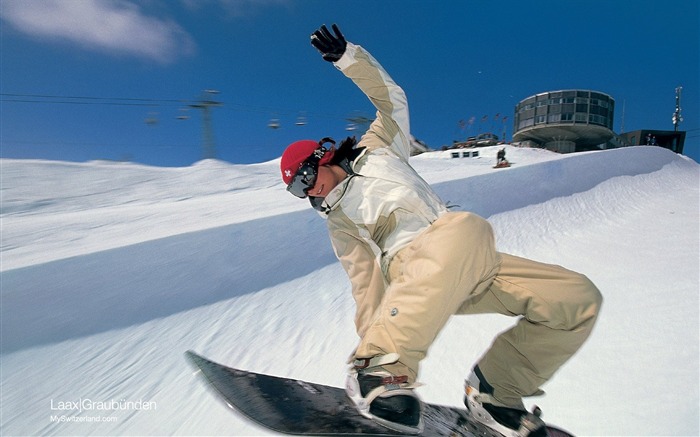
346,151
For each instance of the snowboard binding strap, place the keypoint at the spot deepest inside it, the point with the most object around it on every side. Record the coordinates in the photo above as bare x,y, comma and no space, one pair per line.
530,422
364,363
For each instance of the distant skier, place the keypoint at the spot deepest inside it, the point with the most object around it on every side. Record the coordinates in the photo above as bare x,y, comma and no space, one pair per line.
501,158
501,161
412,265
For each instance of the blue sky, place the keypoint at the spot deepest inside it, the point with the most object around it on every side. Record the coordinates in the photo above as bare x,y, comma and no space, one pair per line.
80,79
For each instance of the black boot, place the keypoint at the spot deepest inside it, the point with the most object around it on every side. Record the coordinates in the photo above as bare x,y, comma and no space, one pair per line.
512,418
384,397
404,409
479,391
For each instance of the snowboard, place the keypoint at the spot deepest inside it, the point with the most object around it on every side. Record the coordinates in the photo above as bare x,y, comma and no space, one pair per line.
296,407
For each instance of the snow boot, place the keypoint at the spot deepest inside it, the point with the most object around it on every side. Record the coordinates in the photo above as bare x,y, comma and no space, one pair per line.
384,397
509,421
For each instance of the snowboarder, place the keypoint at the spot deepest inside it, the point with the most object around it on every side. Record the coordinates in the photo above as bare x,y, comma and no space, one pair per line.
501,156
413,264
501,161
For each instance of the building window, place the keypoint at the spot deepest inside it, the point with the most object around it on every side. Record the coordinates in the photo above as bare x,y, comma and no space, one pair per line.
567,117
596,119
526,123
539,119
554,118
580,117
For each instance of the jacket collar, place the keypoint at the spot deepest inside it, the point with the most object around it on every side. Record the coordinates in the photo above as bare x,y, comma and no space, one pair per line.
336,195
333,198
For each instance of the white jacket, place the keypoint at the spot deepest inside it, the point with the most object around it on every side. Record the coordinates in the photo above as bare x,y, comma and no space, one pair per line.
380,210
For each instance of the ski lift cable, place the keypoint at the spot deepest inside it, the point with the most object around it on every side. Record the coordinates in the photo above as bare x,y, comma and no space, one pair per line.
152,102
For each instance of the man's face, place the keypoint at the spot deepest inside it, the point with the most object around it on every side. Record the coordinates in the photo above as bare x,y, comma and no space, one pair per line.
325,182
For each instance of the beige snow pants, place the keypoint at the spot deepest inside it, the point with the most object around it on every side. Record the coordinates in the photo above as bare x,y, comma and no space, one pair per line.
453,268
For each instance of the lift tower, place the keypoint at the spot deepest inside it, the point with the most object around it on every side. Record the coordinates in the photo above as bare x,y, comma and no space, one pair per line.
205,104
677,118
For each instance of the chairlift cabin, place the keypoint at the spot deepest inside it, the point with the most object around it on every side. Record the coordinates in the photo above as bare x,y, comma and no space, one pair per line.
357,121
183,114
151,119
301,119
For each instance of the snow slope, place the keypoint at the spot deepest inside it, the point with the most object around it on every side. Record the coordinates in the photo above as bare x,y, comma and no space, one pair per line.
110,271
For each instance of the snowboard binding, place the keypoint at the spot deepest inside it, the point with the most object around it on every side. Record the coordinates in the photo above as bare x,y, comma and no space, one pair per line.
383,397
530,424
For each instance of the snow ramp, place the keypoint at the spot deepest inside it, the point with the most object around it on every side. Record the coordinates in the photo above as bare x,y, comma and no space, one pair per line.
84,295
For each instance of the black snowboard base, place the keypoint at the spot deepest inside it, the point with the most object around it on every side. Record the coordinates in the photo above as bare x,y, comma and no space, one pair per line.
291,406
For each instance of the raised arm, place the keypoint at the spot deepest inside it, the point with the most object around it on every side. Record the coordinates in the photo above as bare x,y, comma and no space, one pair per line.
391,128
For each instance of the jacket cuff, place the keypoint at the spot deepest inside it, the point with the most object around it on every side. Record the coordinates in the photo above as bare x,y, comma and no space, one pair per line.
348,57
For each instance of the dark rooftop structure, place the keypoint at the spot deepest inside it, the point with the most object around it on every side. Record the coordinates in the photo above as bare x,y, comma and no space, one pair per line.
668,139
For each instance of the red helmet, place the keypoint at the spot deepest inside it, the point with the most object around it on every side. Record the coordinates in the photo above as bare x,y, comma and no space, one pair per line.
298,152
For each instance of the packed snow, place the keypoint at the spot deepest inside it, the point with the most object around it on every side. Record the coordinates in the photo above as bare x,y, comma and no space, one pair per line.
111,271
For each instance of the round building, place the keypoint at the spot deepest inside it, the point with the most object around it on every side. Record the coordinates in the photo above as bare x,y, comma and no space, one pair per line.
565,121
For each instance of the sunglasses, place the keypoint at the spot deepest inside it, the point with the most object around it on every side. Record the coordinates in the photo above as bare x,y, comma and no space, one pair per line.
305,177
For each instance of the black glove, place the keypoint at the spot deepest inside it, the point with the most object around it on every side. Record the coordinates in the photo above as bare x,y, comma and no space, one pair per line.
331,47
